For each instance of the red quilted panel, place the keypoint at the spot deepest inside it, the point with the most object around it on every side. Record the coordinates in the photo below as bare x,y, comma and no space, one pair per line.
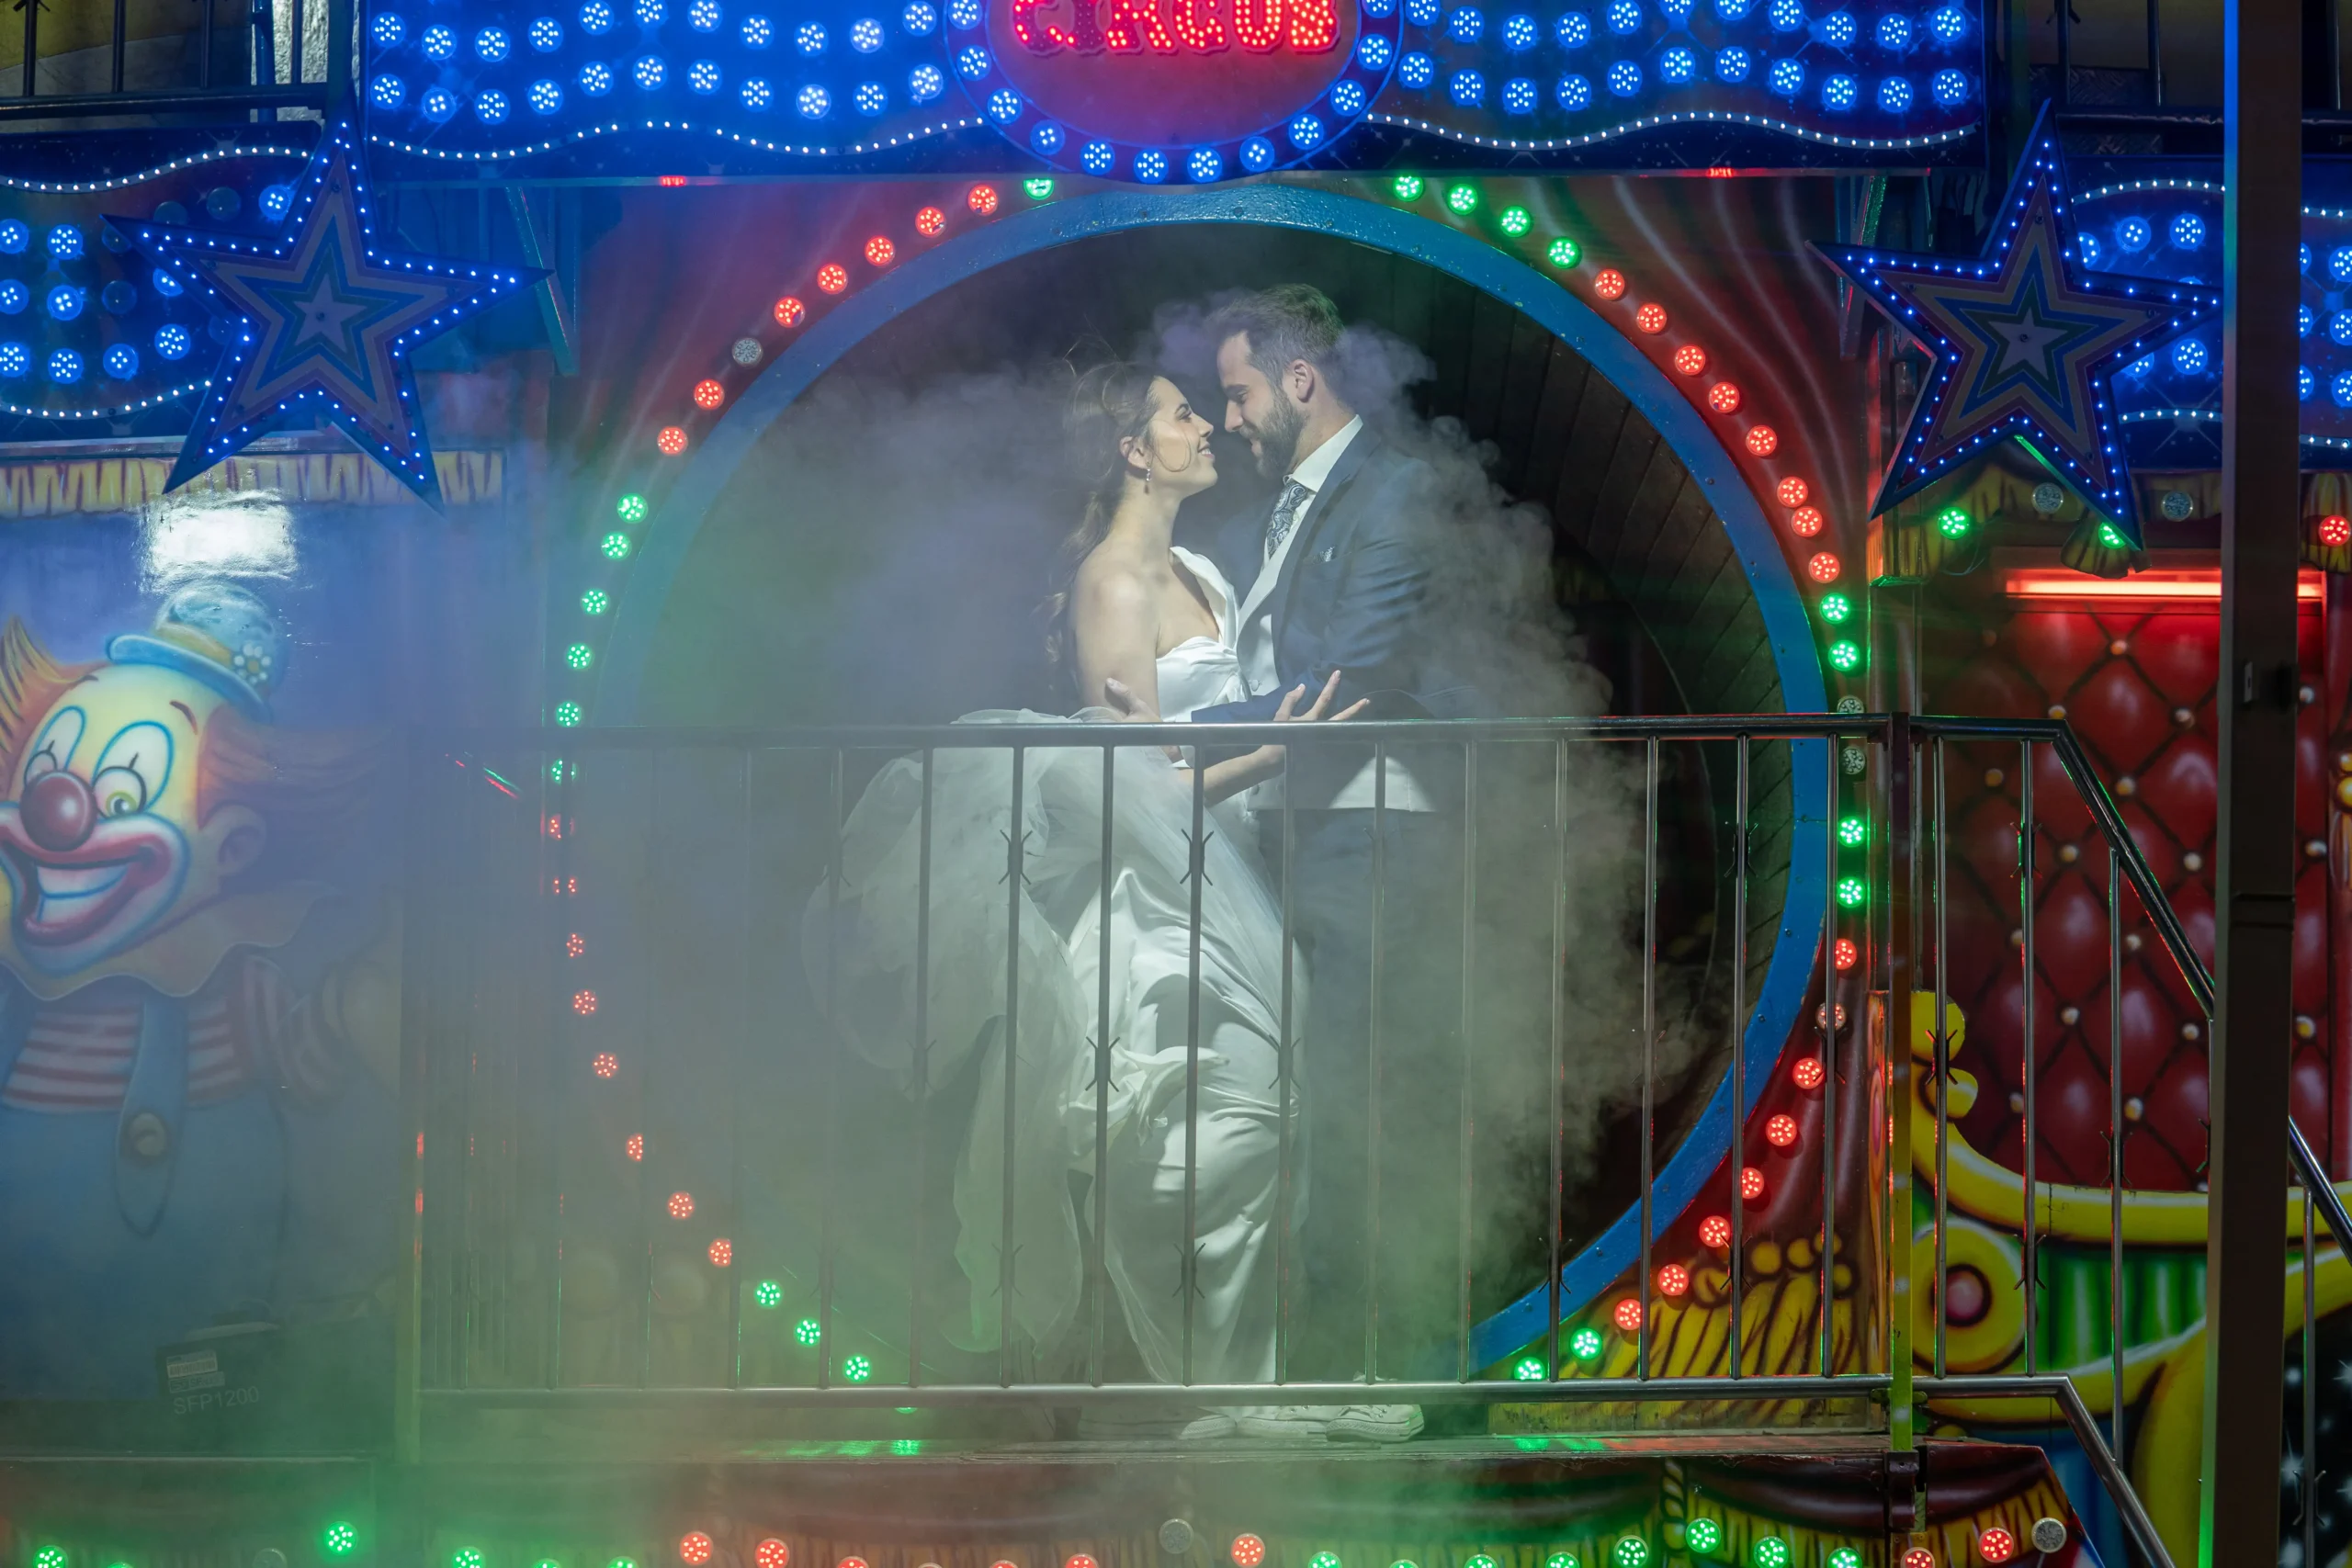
2136,683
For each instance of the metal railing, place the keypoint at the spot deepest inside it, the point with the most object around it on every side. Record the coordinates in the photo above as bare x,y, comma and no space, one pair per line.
258,58
703,848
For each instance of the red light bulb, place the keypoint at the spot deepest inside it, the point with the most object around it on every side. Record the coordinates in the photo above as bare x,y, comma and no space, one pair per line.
574,945
790,312
634,1147
880,252
1762,440
708,394
682,1205
1793,490
1723,398
1651,318
1751,1183
1715,1231
1823,568
1248,1552
1781,1131
833,277
2335,531
584,1002
604,1065
772,1553
1997,1545
1690,359
981,200
1673,1279
1609,283
1918,1557
693,1547
671,442
1079,1559
1627,1314
1846,953
1808,1073
723,1253
930,222
1807,521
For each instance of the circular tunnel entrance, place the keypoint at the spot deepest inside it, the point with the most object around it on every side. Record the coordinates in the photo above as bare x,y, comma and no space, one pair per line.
857,544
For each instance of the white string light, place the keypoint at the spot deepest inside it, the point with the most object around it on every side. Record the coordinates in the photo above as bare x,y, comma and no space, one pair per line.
1719,117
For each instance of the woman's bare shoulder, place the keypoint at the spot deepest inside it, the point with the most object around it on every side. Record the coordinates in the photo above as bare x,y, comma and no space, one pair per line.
1113,577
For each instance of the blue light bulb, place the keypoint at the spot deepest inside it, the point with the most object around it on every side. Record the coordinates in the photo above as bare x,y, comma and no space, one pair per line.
1256,154
2304,321
14,361
1572,93
595,18
756,31
387,29
1894,32
1423,13
546,34
65,302
1373,51
1732,63
167,285
490,106
703,77
1950,87
2305,383
1349,97
650,71
1677,66
810,39
755,94
2134,234
1895,95
1305,131
1624,18
172,342
813,102
1466,88
2189,357
651,13
1624,78
865,35
1573,30
2340,389
1467,24
921,18
1838,29
2339,263
1520,95
1151,166
1047,138
925,83
438,104
121,361
1949,24
2187,231
1786,15
1098,157
972,62
64,242
14,296
596,78
2087,244
1204,165
2339,328
1004,106
1838,92
1520,32
705,16
15,235
966,14
386,91
65,367
1416,70
492,45
439,42
546,96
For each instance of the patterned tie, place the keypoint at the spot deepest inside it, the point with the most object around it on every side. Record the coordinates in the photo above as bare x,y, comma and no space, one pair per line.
1286,509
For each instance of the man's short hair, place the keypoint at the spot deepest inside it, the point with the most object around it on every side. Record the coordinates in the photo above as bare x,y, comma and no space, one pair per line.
1293,320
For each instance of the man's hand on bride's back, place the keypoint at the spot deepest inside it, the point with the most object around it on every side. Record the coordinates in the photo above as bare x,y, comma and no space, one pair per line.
1130,705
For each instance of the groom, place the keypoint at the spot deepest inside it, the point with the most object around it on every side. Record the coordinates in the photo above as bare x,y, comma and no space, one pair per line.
1340,575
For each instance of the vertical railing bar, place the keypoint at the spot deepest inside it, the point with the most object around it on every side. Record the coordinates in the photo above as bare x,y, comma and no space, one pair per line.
2310,1384
559,902
2065,57
1942,1036
204,60
655,1150
1016,841
1373,1051
1284,1067
1738,1053
121,23
1649,1031
922,1084
1189,1271
2115,1140
294,53
26,86
1829,1074
1558,1065
2031,1282
833,1072
1098,1268
1465,1210
2156,53
740,1263
1897,1232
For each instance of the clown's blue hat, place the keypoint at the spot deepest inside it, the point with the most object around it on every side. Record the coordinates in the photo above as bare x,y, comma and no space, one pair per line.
217,633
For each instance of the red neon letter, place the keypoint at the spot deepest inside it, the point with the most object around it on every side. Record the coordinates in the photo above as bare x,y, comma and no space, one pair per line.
1258,23
1037,39
1314,26
1199,25
1120,31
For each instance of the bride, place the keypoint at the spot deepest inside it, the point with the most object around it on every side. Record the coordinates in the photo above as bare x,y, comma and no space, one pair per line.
1138,618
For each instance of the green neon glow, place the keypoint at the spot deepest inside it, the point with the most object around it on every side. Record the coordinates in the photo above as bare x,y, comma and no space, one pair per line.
808,1331
568,714
1771,1551
1514,222
338,1539
1410,187
1851,891
595,602
857,1369
578,656
1529,1369
1953,523
1631,1551
2110,538
1563,253
1704,1537
906,1445
1843,1557
467,1557
1845,656
615,547
1586,1344
631,508
768,1294
1462,199
1836,607
1852,830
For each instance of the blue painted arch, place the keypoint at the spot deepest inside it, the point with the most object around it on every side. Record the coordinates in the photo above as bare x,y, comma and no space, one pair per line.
670,535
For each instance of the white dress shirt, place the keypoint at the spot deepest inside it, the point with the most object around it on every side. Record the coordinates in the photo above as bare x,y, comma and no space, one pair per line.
1258,647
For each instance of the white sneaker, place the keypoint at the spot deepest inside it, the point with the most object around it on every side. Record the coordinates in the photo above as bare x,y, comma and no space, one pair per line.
1153,1423
1374,1424
1206,1426
1288,1423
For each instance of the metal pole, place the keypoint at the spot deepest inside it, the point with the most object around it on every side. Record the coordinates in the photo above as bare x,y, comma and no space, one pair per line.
1189,1264
920,1088
2115,1142
1943,1061
1286,1146
1649,1029
2030,1283
1899,972
1373,1050
1098,1273
1738,1056
2311,1387
1829,1074
1016,841
1556,1086
2253,886
1466,1216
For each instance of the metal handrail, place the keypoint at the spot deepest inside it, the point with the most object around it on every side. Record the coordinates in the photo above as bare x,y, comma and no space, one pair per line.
2060,1390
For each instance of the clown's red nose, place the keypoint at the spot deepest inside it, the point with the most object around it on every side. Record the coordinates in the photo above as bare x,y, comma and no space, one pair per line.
58,811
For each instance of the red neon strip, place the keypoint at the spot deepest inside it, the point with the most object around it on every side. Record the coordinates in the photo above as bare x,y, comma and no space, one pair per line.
2205,586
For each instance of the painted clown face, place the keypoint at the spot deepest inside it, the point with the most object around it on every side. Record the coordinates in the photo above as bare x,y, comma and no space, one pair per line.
100,836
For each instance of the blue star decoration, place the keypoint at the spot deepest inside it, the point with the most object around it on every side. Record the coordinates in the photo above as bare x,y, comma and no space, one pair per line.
2026,344
322,320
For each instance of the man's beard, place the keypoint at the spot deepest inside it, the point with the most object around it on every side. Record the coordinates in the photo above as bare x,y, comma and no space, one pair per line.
1277,443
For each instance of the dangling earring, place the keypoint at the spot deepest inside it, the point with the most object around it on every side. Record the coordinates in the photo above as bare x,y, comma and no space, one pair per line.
1147,477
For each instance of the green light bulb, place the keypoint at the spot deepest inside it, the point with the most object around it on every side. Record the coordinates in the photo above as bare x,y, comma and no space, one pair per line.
578,656
1324,1560
631,508
595,602
2110,538
615,547
568,714
1462,199
339,1538
622,1563
1037,186
808,1331
1478,1560
1562,1560
857,1369
768,1294
546,1562
1403,1562
1563,253
1953,523
559,770
467,1557
1851,891
906,1445
1770,1552
1514,222
1410,187
1845,656
1852,830
50,1557
1836,607
1586,1344
1529,1369
1704,1537
1631,1551
1843,1557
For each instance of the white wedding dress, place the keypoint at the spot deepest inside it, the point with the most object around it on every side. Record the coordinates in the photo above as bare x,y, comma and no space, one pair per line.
1233,1169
